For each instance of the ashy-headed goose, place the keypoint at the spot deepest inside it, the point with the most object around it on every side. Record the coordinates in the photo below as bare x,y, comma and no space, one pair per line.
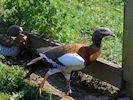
72,57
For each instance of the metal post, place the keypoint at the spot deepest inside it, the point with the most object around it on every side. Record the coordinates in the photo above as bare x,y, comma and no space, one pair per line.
128,47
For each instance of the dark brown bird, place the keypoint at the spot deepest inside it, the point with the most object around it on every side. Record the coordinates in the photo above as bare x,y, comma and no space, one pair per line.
72,57
12,44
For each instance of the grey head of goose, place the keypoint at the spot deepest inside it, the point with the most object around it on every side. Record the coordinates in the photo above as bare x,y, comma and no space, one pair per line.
99,34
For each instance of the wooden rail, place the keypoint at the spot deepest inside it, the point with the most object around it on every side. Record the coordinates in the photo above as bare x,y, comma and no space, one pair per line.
101,69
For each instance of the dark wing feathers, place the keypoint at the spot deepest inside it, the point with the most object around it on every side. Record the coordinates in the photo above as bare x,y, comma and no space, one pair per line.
88,52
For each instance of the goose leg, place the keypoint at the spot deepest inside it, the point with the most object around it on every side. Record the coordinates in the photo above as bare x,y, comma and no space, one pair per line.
41,85
50,72
67,76
43,81
69,87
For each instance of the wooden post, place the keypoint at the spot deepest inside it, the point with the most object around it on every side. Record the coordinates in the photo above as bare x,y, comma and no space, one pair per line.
128,47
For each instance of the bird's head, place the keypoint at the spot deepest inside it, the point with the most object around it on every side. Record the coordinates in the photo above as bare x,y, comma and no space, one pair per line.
102,32
99,33
14,30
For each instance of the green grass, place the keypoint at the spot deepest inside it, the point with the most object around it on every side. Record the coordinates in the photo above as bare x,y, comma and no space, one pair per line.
14,87
4,96
69,21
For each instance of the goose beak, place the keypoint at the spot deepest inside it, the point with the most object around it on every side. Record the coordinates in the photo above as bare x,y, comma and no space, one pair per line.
113,35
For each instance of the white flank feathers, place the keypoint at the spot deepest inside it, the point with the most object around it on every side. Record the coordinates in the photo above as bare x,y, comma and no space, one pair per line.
71,59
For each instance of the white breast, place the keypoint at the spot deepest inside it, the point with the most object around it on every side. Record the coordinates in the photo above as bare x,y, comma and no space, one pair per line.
71,59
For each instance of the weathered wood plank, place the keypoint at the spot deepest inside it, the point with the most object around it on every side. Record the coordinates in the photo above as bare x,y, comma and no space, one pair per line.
128,47
128,42
102,69
38,42
105,71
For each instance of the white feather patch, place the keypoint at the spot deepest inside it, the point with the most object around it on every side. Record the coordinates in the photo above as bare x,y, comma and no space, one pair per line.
71,59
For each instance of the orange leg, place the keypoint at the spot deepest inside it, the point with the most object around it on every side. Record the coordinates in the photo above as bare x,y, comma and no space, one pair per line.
50,72
67,76
42,84
69,87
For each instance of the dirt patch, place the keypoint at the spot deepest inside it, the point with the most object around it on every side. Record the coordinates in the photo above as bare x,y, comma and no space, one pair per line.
57,87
